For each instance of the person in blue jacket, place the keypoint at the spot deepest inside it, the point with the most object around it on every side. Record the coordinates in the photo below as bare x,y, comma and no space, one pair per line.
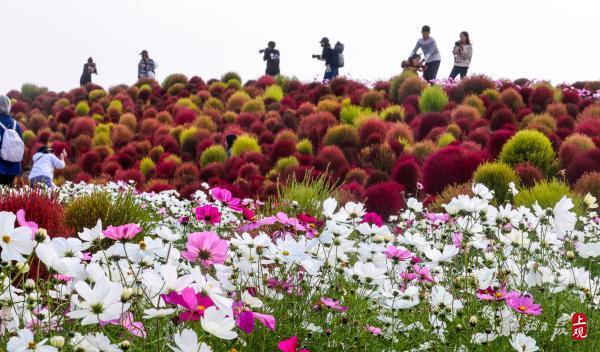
8,170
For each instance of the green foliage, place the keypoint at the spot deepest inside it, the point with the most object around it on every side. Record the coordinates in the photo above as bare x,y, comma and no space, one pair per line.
214,104
528,145
397,82
146,164
254,105
285,163
433,99
234,83
445,139
28,136
245,143
115,105
187,134
237,100
188,103
31,91
97,94
213,154
342,136
101,138
547,194
173,79
351,113
115,210
393,113
476,102
82,108
273,92
305,147
492,94
496,176
230,75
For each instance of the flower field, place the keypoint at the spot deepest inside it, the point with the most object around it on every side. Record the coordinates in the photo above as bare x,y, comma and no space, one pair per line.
217,273
384,216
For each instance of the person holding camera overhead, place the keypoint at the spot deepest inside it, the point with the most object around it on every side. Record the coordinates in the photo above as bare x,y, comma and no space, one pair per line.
88,68
271,56
331,57
44,163
432,54
463,51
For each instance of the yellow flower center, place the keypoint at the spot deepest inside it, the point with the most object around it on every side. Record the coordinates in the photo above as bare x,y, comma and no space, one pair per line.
32,345
142,245
6,239
522,308
285,252
498,294
201,308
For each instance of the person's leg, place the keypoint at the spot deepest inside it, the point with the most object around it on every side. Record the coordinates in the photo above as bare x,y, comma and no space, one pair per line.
455,71
463,72
7,180
327,76
432,70
334,72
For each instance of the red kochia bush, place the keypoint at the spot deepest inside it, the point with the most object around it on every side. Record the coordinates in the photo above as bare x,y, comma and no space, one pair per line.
370,128
540,98
384,198
282,149
407,172
583,163
501,117
332,159
184,115
41,207
314,126
497,140
131,174
447,166
428,121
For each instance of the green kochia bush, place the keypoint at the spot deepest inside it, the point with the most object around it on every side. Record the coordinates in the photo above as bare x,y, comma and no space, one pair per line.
285,163
393,113
349,114
31,91
531,146
245,143
212,154
305,147
547,194
82,108
174,78
433,99
273,92
146,164
496,176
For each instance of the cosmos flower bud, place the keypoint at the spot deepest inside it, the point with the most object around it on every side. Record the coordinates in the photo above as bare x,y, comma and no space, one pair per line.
125,345
570,255
29,285
22,267
57,341
473,320
126,295
41,235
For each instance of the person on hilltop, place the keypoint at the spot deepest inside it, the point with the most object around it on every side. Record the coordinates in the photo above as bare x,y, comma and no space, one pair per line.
463,51
333,58
12,147
431,54
146,66
271,56
44,163
413,63
89,68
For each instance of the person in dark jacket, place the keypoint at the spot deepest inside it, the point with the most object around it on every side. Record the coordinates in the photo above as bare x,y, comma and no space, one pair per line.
8,170
271,56
329,56
89,68
230,139
146,66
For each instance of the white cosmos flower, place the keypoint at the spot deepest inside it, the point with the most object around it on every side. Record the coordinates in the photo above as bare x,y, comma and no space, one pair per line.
251,301
481,338
513,188
157,313
465,203
480,190
564,219
102,303
98,342
93,234
354,210
523,343
446,255
414,205
25,342
589,250
441,297
590,201
366,272
15,242
217,323
187,341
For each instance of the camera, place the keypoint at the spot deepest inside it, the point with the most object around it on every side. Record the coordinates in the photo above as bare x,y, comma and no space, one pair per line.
261,51
457,43
316,56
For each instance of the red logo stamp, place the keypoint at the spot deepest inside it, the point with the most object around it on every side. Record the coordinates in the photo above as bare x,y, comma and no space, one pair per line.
579,326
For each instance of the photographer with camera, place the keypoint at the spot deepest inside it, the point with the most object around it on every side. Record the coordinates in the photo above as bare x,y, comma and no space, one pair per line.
88,68
463,51
331,58
44,163
271,56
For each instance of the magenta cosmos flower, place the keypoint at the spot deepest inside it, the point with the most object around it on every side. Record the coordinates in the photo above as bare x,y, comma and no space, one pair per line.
372,219
489,294
244,318
523,304
328,302
398,253
290,345
123,232
206,247
194,303
209,214
225,196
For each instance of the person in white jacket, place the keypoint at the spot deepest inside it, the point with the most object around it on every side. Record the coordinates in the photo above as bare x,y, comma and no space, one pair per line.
463,51
44,164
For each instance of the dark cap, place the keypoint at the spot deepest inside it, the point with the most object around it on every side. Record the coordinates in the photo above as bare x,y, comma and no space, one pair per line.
324,40
144,52
426,29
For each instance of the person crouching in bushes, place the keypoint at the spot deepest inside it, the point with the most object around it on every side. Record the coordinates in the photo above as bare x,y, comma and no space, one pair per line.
11,144
413,63
44,163
230,139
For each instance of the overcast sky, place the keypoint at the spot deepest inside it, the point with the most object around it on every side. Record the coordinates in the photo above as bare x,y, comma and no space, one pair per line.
47,42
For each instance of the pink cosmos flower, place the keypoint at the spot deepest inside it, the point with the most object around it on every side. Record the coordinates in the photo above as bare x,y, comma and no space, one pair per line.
290,345
225,196
24,223
245,318
374,330
523,304
86,256
195,303
328,302
183,220
372,219
424,273
457,238
489,294
398,253
435,217
255,224
209,214
285,220
248,214
128,322
419,186
123,232
207,247
61,277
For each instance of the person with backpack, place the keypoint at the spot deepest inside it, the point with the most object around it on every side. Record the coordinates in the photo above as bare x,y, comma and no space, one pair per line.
44,163
333,58
12,147
271,56
463,51
88,68
146,66
432,55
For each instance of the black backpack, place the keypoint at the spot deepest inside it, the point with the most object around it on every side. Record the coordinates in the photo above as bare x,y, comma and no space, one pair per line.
338,49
